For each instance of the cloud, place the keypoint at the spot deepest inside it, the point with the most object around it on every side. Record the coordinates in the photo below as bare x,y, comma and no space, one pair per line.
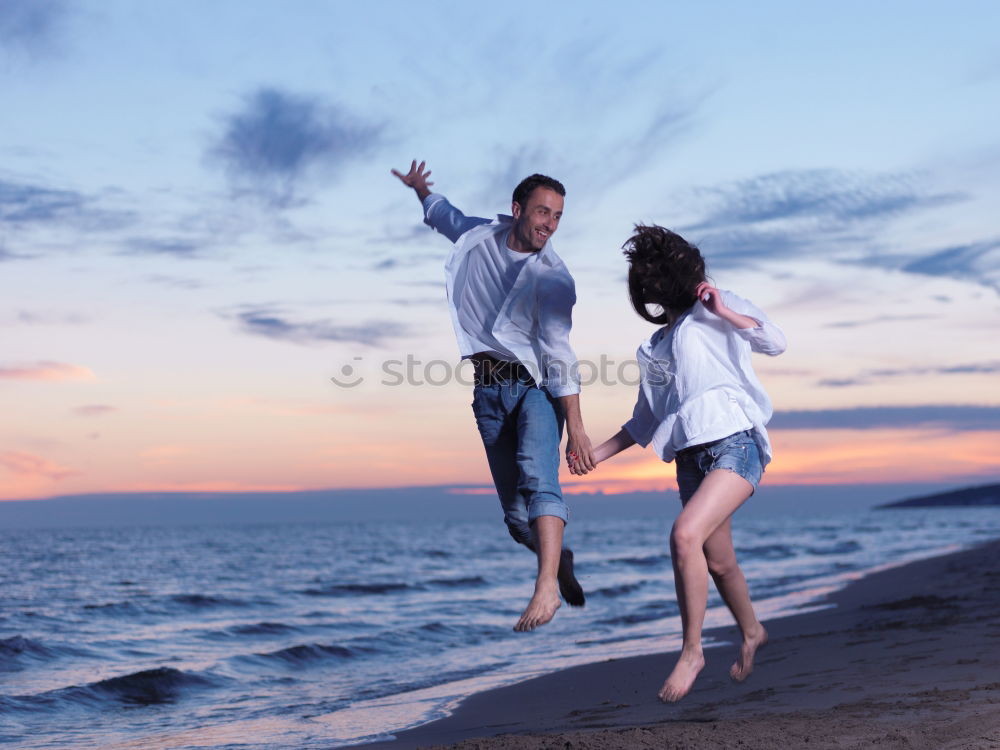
626,134
177,248
648,135
952,417
94,410
391,236
175,282
866,377
673,119
46,371
27,464
279,139
24,204
878,319
516,163
272,324
6,254
977,262
30,26
21,203
419,301
50,318
787,213
830,195
732,247
408,261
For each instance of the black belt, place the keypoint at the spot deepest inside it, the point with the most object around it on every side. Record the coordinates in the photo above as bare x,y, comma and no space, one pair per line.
492,371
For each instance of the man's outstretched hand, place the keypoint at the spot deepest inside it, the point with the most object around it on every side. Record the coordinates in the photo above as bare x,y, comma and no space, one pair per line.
416,178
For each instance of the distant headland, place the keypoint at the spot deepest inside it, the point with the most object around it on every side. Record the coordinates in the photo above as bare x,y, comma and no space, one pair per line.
987,494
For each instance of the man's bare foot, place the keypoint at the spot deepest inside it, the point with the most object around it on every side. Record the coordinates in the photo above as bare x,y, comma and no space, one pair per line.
541,608
569,587
743,665
679,683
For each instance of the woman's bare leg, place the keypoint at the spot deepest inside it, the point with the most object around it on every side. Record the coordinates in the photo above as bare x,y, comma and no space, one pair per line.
732,586
721,492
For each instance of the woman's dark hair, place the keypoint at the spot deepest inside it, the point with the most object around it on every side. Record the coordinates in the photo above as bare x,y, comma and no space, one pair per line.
664,270
527,186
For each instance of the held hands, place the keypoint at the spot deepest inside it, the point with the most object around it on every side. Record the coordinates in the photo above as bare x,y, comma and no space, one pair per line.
416,178
580,454
610,447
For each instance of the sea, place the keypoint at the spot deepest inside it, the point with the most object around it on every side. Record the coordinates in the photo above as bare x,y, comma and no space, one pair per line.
326,635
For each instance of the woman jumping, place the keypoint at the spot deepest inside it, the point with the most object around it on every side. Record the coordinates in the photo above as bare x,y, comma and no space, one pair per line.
701,403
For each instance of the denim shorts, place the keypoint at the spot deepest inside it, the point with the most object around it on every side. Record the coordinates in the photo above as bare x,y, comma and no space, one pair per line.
737,453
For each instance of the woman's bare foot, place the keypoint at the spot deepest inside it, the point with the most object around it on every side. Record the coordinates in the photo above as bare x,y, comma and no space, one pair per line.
541,608
679,683
743,665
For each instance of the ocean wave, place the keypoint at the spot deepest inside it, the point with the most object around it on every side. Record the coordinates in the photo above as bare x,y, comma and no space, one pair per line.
150,686
117,609
645,561
349,589
840,548
446,632
648,613
263,628
767,552
619,590
428,637
202,601
301,655
146,688
171,605
768,585
455,675
18,645
249,630
17,651
458,582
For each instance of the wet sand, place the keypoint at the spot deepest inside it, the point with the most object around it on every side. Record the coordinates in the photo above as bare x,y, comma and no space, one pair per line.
903,658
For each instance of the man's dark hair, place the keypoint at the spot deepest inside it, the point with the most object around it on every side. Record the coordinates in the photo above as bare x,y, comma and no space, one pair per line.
664,270
527,186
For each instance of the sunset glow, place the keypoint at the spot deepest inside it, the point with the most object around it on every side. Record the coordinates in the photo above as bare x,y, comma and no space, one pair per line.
220,287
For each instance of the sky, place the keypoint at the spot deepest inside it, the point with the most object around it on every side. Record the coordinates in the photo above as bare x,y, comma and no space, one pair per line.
210,281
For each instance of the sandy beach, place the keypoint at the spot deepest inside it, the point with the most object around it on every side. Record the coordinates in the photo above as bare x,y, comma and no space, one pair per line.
903,658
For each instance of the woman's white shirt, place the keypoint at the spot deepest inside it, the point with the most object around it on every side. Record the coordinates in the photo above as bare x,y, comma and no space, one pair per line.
698,384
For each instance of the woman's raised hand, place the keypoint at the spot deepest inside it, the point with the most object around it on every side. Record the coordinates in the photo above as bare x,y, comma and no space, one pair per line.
711,298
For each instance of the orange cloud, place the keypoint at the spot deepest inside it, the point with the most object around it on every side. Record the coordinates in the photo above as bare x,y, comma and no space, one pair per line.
93,410
28,464
47,371
876,456
805,457
222,485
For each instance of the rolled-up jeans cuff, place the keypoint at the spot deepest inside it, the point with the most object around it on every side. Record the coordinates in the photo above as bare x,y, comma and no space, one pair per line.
541,508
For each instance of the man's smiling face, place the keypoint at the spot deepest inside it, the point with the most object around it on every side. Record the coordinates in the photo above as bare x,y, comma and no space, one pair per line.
537,220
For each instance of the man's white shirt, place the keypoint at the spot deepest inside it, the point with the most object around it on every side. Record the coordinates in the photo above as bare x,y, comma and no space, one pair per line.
516,309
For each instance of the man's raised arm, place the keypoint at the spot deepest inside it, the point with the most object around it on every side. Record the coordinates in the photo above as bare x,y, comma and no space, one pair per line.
439,214
416,178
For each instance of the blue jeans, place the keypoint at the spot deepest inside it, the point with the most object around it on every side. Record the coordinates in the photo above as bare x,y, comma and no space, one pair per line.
521,427
738,453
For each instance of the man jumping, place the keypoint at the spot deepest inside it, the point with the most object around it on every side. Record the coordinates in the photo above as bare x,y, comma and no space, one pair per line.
511,300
